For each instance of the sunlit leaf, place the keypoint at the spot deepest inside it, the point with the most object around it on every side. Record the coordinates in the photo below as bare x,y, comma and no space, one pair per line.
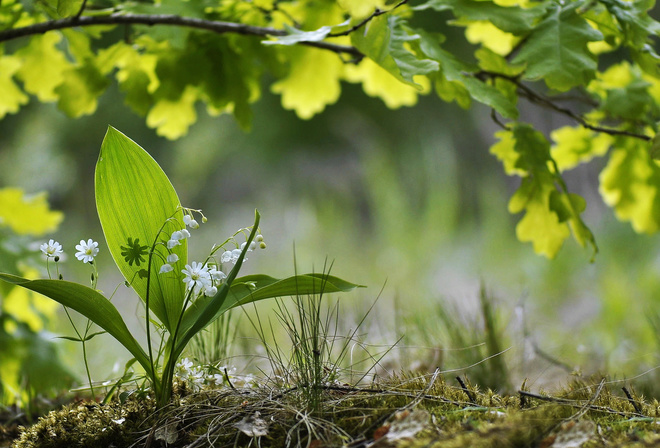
27,214
172,118
491,37
630,183
540,225
575,145
361,8
505,151
313,81
135,199
11,96
29,307
43,66
379,83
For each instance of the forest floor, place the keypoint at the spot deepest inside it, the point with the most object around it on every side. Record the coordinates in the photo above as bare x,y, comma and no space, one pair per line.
402,411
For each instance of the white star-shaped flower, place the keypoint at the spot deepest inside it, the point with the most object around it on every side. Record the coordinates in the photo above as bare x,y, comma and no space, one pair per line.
87,250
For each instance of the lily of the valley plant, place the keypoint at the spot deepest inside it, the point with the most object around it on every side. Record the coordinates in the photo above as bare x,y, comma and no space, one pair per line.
146,231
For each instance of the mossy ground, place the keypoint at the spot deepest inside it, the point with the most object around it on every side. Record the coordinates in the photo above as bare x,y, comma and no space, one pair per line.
407,411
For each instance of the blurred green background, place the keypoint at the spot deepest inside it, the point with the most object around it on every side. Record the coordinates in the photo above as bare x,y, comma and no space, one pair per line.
408,202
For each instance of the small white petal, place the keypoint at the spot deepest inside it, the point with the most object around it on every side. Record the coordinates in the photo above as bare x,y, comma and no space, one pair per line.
177,235
210,291
187,219
172,258
185,233
165,268
235,254
172,243
226,256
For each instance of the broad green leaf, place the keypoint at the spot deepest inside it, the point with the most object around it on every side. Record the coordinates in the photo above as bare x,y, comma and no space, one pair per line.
43,66
512,19
384,41
575,145
79,92
90,304
27,214
11,96
135,199
557,49
634,19
252,288
630,183
458,72
259,287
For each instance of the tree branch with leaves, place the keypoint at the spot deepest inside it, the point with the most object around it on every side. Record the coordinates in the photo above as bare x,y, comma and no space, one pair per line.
169,55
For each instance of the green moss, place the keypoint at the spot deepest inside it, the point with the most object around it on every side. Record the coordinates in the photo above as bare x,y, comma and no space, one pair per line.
89,425
408,410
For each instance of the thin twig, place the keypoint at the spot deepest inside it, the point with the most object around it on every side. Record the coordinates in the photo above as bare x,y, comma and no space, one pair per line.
591,401
376,13
82,8
170,20
467,391
566,402
535,97
631,400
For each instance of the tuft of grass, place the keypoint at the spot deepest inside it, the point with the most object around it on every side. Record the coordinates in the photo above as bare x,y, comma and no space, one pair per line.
318,356
474,346
213,345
